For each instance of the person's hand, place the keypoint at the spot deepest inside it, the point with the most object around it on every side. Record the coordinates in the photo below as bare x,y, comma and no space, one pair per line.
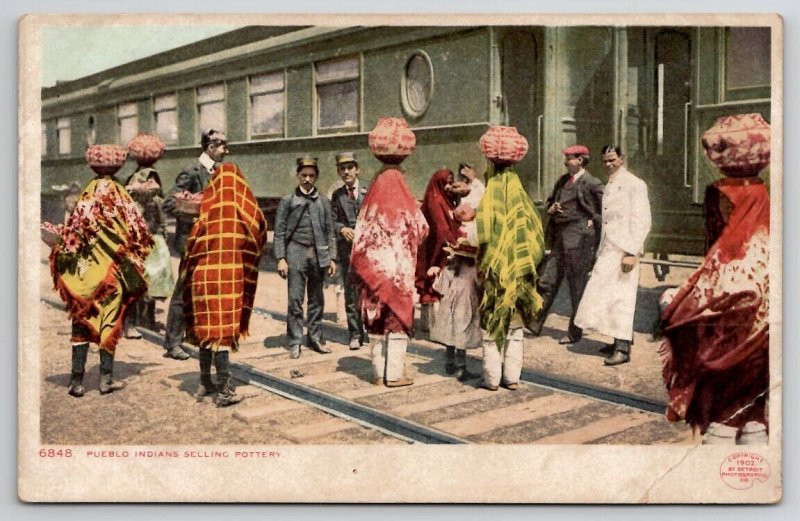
332,269
628,262
554,208
283,268
349,234
433,271
590,224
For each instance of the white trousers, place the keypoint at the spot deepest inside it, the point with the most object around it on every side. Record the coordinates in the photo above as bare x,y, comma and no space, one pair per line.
389,357
505,365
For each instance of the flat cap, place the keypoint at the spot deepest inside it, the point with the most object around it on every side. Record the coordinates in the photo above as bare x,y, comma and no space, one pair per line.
346,157
576,150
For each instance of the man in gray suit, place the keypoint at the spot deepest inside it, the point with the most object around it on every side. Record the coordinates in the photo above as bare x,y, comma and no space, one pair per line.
305,247
573,232
193,179
345,204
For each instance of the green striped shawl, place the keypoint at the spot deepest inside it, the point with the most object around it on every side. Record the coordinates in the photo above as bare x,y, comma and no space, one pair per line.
512,244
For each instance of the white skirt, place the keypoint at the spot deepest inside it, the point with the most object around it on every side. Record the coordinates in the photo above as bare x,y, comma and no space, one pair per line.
609,301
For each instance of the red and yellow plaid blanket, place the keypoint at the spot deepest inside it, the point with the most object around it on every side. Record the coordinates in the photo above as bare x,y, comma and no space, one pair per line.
220,267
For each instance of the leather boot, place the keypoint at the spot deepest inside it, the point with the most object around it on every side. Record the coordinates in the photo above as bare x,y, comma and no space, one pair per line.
107,385
149,315
226,394
450,360
132,320
79,353
462,374
206,386
622,353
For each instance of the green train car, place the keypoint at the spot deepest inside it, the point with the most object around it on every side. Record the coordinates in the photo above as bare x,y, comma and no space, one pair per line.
280,92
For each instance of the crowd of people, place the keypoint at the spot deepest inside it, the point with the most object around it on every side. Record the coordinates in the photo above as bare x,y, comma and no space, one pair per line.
476,258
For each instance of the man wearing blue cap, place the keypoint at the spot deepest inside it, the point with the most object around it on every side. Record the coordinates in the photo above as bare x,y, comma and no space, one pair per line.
573,232
305,247
345,205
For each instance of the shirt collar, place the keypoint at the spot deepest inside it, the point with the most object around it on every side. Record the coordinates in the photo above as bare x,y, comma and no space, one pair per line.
578,175
355,186
207,162
311,193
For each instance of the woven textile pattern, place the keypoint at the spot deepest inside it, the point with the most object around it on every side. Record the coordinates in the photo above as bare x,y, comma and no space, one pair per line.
512,242
220,266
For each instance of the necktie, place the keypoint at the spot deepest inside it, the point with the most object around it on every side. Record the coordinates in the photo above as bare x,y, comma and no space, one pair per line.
351,191
571,179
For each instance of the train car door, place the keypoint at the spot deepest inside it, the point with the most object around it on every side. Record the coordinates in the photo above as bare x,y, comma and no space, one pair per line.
668,170
521,98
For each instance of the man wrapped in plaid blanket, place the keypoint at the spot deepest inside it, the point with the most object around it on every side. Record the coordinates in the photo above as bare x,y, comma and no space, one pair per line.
220,272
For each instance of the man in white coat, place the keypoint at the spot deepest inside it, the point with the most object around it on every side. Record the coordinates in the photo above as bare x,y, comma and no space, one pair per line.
609,302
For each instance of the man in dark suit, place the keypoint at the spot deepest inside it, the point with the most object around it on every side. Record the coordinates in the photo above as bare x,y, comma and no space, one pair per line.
573,232
345,204
305,247
194,180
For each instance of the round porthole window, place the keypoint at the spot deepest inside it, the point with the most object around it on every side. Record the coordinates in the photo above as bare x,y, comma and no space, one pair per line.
417,84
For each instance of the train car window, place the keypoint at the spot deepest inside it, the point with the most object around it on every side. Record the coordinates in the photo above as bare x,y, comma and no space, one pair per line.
64,136
748,64
165,114
338,87
416,86
127,122
91,131
211,107
267,104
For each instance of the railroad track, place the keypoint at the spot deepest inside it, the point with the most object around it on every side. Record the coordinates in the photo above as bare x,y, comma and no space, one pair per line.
438,409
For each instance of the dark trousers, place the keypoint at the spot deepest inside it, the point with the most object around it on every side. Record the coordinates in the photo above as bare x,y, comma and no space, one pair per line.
305,275
574,263
176,321
354,324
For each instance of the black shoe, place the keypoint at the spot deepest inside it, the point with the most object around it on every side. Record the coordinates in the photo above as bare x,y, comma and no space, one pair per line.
319,348
618,358
607,349
294,351
176,353
566,340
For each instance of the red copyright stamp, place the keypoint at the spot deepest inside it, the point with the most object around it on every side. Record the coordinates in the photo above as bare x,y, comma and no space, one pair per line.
741,470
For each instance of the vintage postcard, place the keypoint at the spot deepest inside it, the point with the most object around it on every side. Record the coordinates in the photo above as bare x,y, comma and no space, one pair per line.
487,259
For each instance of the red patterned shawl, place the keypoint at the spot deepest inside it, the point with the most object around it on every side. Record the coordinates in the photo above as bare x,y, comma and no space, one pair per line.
220,265
716,348
437,207
389,229
98,262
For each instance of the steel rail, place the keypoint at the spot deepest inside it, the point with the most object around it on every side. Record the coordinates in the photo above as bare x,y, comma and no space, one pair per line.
540,378
401,428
